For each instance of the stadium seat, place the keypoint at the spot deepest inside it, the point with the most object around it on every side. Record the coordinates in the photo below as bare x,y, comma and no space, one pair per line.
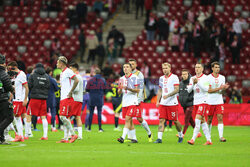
246,83
47,43
43,14
68,32
13,27
21,49
187,3
160,49
53,15
1,20
238,8
104,15
245,14
219,8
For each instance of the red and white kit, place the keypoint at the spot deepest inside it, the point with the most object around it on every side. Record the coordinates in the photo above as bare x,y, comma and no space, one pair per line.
168,108
66,85
130,99
78,97
200,93
20,81
215,100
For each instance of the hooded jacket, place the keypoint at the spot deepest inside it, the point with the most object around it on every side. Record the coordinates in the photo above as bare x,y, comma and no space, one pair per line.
185,98
96,87
5,85
39,84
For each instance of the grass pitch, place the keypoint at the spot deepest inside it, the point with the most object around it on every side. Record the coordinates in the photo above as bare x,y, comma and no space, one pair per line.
102,149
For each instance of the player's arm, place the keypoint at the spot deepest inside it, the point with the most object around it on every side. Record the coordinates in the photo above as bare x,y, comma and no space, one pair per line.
74,86
159,94
176,90
190,86
25,101
135,89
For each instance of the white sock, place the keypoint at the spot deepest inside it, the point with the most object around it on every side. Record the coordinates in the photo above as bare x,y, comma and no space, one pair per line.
146,127
45,127
133,134
19,126
25,120
79,131
65,133
125,132
130,136
69,126
196,128
220,129
14,122
210,128
206,131
27,128
180,134
160,135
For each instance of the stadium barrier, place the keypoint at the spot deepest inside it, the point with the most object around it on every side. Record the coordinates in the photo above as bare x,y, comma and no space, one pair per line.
235,115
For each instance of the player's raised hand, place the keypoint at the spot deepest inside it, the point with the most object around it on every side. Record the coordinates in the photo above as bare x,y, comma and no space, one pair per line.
226,86
165,97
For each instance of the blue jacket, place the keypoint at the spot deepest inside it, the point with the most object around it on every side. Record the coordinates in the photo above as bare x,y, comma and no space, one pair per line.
51,100
96,87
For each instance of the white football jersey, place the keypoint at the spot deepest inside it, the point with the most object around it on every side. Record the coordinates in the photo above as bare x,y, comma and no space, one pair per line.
78,92
215,98
141,84
66,82
167,85
129,98
200,89
20,80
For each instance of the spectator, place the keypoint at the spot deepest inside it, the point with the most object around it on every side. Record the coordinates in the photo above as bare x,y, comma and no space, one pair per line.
100,52
222,56
73,18
235,96
237,27
145,69
235,50
197,40
81,11
151,26
98,7
96,88
121,41
175,41
163,28
55,47
107,70
51,100
114,33
201,18
173,24
148,6
191,15
99,34
127,5
139,5
92,43
81,39
186,40
20,63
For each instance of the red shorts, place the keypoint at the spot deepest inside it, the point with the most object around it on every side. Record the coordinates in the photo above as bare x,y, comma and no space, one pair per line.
200,109
19,109
37,107
168,112
215,109
66,107
132,111
76,108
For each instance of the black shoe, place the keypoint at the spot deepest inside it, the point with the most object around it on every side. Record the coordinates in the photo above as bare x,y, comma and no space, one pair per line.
101,130
4,143
158,141
133,141
180,139
121,140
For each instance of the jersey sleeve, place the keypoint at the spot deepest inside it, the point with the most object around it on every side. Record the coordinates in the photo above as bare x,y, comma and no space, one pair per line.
70,74
204,84
23,79
176,81
190,85
137,81
160,82
223,80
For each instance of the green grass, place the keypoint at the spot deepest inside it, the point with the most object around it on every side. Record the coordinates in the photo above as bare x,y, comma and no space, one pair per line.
102,149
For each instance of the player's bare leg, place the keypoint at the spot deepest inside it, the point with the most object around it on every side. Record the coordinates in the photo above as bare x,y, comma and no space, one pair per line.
220,127
19,137
28,132
144,124
160,130
126,128
178,128
68,127
209,123
79,127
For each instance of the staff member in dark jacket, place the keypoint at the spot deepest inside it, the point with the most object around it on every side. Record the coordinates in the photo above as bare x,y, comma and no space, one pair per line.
51,100
39,86
96,87
186,100
6,109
